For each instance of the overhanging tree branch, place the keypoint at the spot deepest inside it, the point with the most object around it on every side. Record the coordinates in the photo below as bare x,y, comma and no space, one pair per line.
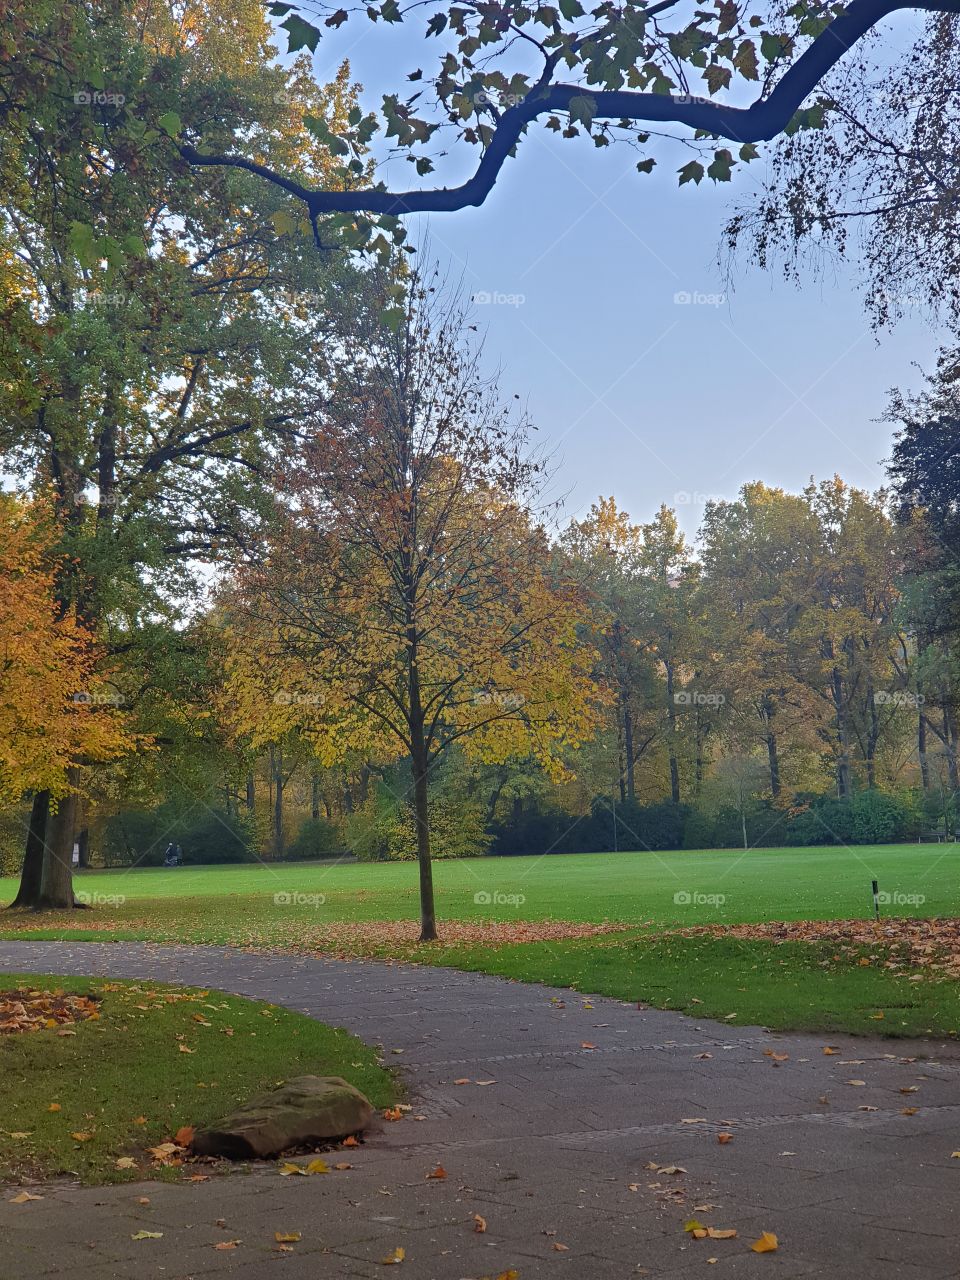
763,120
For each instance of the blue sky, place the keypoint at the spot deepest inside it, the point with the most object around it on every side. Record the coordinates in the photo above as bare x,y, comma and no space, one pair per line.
643,397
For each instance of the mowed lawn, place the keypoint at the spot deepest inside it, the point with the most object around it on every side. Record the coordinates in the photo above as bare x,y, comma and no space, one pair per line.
263,903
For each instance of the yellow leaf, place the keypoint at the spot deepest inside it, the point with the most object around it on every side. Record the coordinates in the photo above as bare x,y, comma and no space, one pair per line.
396,1256
289,1169
54,1106
318,1166
126,1162
147,1235
23,1197
286,1237
479,1224
766,1244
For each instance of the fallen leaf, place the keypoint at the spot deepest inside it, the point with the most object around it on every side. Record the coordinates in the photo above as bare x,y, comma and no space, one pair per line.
671,1168
462,1080
289,1170
828,1049
727,1233
286,1237
911,1088
479,1224
147,1235
227,1244
343,1165
724,1137
767,1243
484,1083
561,1248
396,1256
858,1084
585,1044
438,1173
184,1135
126,1162
350,1142
183,1049
23,1197
909,1111
54,1106
318,1166
393,1113
80,1137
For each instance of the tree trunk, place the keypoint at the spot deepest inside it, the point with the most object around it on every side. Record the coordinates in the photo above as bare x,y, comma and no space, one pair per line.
420,765
672,722
83,841
628,751
743,827
56,879
278,832
843,736
28,895
251,792
773,761
950,727
922,751
315,798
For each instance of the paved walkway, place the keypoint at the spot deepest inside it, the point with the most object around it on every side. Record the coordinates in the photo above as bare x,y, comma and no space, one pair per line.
556,1152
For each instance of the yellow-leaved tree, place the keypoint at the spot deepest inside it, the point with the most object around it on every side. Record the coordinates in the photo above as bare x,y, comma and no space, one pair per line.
54,709
406,598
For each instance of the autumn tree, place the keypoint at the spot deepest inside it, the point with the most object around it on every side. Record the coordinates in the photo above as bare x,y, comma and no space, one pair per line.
163,334
55,708
405,583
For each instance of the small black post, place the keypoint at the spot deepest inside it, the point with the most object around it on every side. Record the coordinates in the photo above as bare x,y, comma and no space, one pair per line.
876,900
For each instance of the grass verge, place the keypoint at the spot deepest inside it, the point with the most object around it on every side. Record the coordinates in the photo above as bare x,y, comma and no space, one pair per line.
796,986
156,1058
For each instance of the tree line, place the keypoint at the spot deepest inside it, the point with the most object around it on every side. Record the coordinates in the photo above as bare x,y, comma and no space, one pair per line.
279,569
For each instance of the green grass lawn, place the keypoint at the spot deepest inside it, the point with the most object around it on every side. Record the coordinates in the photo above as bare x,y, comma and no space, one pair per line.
124,1084
260,903
795,985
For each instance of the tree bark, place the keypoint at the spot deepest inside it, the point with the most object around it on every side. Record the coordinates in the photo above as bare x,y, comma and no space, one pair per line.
773,761
251,793
672,721
922,751
83,841
628,751
315,798
56,880
420,765
28,894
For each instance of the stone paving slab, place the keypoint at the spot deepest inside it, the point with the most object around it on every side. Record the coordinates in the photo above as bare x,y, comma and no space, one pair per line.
564,1148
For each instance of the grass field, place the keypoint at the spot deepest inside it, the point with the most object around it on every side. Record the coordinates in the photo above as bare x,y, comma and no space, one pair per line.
156,1058
813,985
264,901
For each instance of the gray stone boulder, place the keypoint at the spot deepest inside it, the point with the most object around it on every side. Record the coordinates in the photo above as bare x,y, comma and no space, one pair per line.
302,1111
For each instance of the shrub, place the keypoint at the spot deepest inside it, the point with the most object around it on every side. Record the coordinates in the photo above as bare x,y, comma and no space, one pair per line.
385,830
316,839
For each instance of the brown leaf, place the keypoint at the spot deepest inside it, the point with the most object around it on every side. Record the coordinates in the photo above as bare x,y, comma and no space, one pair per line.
439,1172
724,1137
392,1259
479,1224
184,1135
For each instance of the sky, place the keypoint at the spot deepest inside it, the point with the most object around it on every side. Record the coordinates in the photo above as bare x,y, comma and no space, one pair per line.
576,262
